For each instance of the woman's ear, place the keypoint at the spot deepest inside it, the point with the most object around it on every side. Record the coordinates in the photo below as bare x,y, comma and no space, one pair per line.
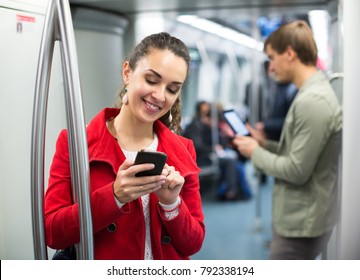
126,72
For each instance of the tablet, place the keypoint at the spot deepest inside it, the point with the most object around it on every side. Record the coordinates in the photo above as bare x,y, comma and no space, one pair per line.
235,122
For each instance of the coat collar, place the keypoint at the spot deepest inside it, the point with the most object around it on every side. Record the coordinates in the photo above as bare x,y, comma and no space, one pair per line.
103,146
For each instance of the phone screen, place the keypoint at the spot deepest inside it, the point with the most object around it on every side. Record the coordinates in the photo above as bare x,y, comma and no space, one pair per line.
235,122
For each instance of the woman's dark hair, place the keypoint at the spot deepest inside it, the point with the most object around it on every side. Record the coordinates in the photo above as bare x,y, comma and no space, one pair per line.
161,41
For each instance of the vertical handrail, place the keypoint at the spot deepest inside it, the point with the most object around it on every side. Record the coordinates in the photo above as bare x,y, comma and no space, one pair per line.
234,66
214,115
38,132
58,26
77,132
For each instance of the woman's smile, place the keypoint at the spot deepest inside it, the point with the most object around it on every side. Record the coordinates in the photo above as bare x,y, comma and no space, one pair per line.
152,107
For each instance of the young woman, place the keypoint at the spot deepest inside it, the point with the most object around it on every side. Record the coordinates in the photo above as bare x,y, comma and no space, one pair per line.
151,217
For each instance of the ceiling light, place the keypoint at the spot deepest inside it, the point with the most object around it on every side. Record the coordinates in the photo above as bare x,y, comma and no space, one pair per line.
221,31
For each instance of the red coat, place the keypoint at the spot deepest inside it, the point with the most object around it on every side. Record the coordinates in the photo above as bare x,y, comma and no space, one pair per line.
175,239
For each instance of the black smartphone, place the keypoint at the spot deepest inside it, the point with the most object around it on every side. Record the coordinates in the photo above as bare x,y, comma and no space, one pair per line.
155,157
235,122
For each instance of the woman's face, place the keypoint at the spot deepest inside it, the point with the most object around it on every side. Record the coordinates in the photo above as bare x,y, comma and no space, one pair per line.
155,84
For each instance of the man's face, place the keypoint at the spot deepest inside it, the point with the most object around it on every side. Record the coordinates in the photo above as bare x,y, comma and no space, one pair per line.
279,65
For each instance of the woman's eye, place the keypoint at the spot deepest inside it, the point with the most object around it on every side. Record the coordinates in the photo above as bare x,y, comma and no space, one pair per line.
173,90
150,82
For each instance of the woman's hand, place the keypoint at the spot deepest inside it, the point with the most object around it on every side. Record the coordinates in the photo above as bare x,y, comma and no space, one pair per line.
127,187
169,191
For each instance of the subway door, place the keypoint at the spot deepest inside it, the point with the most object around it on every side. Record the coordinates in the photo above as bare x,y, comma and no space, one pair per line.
21,30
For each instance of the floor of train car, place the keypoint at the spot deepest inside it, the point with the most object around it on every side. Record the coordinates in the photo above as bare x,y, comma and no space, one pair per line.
238,230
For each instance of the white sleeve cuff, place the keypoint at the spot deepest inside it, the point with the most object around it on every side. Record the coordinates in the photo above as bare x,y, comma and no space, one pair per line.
169,207
171,211
118,203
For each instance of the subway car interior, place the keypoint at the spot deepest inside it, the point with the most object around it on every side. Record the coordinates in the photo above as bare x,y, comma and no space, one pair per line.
227,70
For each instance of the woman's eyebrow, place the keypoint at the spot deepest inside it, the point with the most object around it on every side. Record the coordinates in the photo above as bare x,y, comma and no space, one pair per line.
158,75
155,73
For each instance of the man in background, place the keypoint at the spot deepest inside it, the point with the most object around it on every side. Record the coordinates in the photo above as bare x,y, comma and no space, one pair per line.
305,160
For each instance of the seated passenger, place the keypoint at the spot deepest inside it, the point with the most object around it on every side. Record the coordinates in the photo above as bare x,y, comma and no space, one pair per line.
200,131
226,149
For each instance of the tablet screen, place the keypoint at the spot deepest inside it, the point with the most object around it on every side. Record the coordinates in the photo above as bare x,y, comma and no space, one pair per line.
235,122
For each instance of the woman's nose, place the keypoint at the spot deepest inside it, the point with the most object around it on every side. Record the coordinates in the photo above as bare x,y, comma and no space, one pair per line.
159,94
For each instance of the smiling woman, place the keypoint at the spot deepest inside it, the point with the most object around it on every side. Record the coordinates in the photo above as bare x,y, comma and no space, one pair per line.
156,73
154,83
167,205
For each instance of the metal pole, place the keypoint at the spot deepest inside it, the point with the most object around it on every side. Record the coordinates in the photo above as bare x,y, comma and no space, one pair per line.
58,26
38,132
77,132
214,112
335,76
255,117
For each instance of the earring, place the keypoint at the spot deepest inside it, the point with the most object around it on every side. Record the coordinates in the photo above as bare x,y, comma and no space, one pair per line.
170,118
125,99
